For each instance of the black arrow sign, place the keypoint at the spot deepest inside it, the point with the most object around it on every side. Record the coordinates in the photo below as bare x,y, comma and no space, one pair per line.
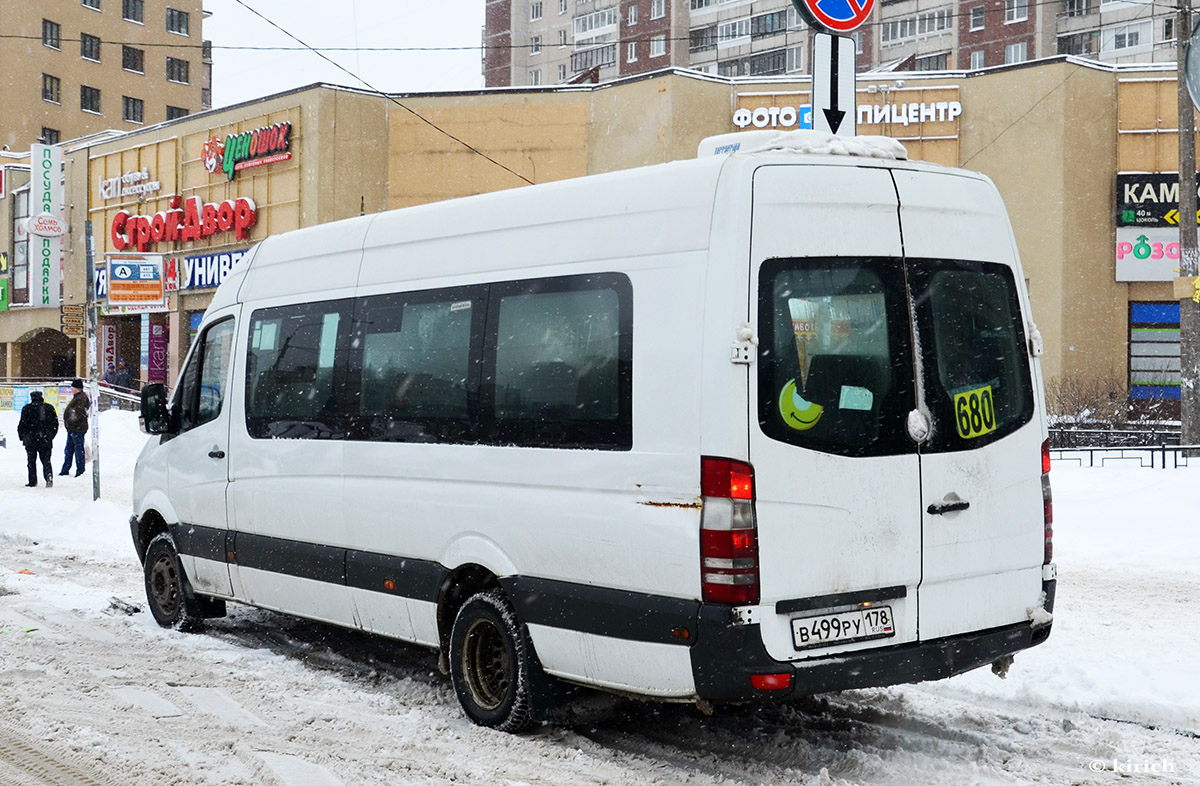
833,115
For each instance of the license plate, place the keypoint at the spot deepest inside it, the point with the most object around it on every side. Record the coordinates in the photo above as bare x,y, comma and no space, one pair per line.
826,629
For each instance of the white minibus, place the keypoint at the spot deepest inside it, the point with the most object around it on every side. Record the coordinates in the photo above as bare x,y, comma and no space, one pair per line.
764,423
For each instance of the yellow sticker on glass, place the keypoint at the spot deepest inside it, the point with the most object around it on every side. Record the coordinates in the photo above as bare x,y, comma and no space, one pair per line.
798,412
975,412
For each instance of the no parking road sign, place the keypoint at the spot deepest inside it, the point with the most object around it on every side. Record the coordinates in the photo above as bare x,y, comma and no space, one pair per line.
835,16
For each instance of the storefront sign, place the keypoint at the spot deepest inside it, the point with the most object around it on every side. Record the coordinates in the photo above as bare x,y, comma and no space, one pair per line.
1148,199
107,335
129,184
45,225
186,222
73,321
791,117
1147,254
135,279
208,271
249,149
46,194
156,367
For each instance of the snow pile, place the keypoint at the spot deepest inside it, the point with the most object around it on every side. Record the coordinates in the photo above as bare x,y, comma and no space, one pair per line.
803,141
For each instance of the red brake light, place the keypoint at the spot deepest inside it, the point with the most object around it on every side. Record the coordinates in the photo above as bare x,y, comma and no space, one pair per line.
771,681
728,532
726,478
1047,504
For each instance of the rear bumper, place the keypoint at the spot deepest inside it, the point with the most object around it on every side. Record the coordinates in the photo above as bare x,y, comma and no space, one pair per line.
726,656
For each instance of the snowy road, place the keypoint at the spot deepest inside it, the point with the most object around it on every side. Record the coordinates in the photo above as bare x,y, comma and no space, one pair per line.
90,694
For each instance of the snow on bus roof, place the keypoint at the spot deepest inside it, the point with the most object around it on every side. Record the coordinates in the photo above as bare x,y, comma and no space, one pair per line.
802,141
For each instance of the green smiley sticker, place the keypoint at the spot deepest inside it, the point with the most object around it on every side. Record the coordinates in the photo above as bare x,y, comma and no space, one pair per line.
799,413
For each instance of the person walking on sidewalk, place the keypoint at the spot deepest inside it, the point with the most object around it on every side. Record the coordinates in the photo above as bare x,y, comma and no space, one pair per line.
75,419
37,428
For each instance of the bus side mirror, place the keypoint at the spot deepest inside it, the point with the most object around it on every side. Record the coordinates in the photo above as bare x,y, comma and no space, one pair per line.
155,415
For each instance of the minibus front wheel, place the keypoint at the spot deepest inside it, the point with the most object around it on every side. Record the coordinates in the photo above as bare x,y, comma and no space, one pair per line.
167,590
492,663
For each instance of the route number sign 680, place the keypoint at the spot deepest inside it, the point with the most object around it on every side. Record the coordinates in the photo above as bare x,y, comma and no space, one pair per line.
975,412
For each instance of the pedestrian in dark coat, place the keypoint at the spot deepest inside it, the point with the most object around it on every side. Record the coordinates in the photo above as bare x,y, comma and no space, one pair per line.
75,419
37,428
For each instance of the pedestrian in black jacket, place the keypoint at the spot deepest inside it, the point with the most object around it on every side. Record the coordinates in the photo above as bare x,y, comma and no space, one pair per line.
75,419
39,424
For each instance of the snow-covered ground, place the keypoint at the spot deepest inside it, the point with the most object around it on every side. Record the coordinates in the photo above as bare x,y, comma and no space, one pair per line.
90,694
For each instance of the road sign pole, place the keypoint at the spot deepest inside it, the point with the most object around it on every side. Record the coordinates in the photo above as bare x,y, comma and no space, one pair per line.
93,361
834,101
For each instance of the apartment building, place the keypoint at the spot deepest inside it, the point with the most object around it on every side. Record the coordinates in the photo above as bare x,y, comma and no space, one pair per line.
539,42
76,67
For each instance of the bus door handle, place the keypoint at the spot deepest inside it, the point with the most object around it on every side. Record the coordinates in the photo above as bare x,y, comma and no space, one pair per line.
216,453
951,504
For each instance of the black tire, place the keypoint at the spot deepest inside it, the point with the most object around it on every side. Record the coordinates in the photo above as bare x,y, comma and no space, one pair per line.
492,663
167,590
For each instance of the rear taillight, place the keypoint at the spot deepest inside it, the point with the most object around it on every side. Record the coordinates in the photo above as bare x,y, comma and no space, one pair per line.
1047,503
728,532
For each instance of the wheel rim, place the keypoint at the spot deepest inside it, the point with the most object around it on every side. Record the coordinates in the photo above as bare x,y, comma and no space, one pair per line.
164,585
487,664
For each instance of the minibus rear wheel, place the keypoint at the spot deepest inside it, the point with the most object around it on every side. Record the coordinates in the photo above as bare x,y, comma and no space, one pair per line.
166,586
492,662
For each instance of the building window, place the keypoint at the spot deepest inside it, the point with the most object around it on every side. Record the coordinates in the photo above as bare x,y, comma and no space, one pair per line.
702,39
631,52
597,56
631,17
768,63
1016,10
92,4
535,44
933,22
175,112
857,36
658,46
977,16
51,85
1128,36
50,136
535,12
562,6
730,33
767,25
562,38
1086,43
177,21
1077,7
1015,53
89,47
898,30
133,59
177,70
51,34
658,9
535,76
1168,29
132,10
132,109
795,58
977,60
562,73
939,62
89,99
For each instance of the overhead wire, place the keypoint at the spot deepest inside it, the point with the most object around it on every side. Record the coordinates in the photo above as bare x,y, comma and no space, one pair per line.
390,98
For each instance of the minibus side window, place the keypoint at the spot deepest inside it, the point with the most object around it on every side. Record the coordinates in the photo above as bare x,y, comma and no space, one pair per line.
978,385
559,362
292,371
413,362
835,368
202,391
